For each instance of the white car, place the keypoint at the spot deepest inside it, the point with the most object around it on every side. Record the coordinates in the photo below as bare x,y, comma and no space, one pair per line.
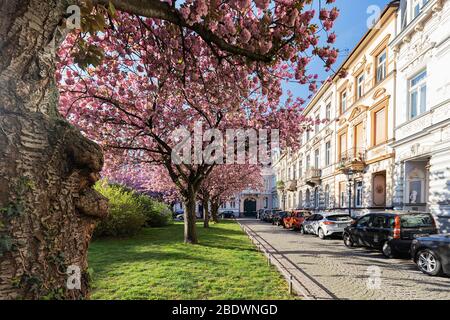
325,224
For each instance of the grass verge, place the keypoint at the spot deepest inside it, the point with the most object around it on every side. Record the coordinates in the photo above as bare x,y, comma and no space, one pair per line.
156,264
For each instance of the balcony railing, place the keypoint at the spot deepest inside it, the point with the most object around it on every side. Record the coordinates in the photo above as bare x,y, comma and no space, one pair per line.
354,159
313,176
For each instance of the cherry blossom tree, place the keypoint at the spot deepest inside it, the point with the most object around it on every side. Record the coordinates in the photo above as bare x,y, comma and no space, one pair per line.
225,182
51,206
156,78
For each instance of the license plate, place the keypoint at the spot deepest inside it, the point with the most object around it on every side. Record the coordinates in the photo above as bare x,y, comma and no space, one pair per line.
420,235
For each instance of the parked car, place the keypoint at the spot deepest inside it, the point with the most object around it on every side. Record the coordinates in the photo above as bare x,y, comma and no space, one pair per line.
278,217
390,231
268,214
326,224
295,219
432,254
227,215
264,214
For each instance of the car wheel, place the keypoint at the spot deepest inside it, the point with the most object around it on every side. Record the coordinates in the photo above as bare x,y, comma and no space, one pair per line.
321,234
302,230
387,250
348,242
428,262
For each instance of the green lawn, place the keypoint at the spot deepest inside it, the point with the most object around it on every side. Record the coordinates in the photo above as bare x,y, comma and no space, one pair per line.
156,264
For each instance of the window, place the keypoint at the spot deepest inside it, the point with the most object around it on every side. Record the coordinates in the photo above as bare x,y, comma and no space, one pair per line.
316,159
359,138
342,145
307,199
328,111
327,196
232,203
358,194
342,194
417,6
378,222
223,205
418,94
364,221
300,168
294,167
316,125
300,199
381,66
343,101
316,198
360,86
266,202
328,153
289,173
308,134
308,160
380,126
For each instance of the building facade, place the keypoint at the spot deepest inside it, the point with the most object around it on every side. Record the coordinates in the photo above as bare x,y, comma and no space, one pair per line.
422,118
347,160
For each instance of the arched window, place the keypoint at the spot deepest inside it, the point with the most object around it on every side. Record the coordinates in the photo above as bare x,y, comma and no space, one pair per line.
327,196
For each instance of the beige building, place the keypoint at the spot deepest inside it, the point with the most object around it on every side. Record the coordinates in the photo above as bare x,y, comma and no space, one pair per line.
349,156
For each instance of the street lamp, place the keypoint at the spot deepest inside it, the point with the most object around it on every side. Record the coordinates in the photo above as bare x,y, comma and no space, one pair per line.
350,176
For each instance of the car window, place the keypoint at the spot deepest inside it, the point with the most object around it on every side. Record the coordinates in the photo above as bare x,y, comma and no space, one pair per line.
343,217
318,217
416,220
364,221
378,222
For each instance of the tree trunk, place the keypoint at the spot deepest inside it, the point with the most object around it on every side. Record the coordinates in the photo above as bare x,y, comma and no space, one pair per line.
48,209
215,211
205,203
190,203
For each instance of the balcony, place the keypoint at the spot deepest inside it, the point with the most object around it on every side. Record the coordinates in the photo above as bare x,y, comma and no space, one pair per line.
312,177
352,159
291,185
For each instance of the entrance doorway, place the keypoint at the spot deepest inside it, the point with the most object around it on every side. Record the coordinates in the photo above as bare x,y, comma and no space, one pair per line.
250,207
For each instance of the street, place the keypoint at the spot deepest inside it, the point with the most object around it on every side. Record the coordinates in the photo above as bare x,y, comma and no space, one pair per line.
345,273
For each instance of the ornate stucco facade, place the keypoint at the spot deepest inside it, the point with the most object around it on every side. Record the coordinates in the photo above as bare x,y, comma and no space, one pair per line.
386,144
422,119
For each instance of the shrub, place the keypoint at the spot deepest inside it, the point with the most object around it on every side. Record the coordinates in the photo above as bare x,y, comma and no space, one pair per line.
157,214
126,215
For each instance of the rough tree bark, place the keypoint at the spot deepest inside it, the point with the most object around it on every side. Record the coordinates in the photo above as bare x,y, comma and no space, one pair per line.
190,203
47,207
215,204
205,203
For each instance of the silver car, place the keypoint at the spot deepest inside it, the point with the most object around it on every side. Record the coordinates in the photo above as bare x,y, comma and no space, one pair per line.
325,224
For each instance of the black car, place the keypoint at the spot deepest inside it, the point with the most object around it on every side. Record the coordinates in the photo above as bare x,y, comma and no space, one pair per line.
432,254
278,216
390,231
227,215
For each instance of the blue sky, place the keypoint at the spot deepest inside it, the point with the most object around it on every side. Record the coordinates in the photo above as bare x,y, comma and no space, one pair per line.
349,27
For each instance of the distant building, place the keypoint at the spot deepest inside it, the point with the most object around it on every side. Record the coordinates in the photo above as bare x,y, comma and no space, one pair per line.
245,203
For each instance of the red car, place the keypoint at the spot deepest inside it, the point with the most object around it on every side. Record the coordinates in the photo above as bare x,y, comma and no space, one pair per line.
295,219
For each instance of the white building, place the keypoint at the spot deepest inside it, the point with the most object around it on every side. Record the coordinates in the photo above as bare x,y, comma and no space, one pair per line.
422,118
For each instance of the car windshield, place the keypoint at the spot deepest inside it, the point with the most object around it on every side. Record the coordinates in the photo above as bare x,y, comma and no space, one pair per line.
416,220
339,218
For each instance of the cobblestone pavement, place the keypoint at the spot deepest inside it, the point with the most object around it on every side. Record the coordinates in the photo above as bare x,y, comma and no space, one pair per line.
344,272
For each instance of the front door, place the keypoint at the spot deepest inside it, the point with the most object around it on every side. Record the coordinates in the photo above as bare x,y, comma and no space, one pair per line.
379,189
249,207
